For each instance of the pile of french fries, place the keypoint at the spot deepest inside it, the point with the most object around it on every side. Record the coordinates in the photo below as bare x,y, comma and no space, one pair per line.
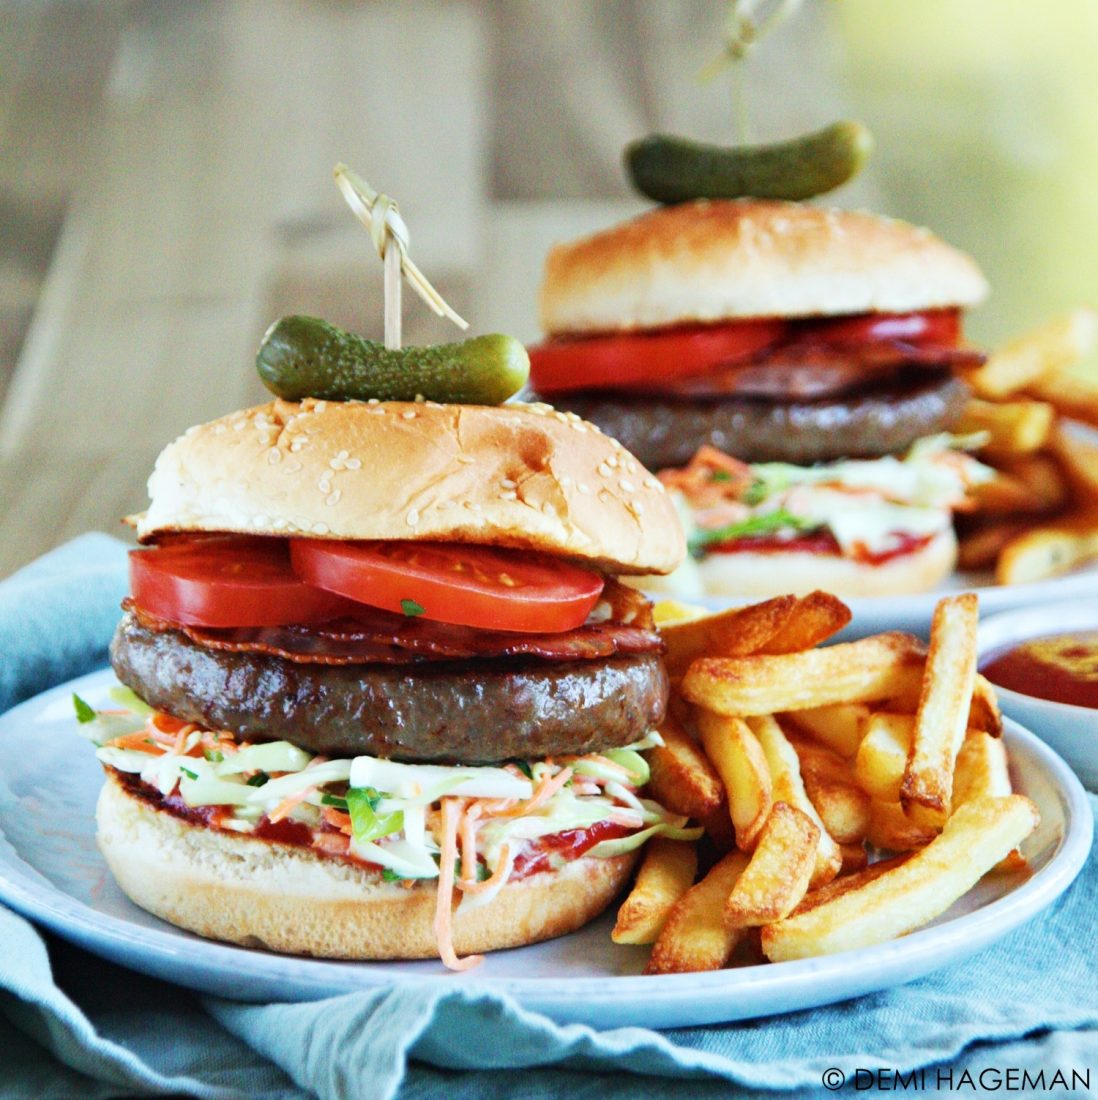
849,794
1039,516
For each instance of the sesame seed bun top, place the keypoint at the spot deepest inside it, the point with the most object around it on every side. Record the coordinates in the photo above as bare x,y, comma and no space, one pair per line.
719,260
520,476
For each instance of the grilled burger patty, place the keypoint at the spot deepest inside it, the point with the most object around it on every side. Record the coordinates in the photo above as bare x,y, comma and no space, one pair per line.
479,710
667,430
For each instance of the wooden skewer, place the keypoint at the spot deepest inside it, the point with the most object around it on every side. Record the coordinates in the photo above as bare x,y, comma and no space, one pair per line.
393,281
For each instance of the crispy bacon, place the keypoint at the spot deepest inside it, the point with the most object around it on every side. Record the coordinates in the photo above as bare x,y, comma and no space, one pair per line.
375,636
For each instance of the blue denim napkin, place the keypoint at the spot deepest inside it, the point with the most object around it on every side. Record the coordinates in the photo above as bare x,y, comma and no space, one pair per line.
72,1025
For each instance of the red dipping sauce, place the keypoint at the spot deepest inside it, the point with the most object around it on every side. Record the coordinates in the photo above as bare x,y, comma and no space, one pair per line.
1059,667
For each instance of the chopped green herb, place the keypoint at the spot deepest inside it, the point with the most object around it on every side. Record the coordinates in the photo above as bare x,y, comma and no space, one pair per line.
335,800
188,773
720,475
258,779
214,756
85,712
766,524
411,608
525,768
755,493
366,825
390,875
482,873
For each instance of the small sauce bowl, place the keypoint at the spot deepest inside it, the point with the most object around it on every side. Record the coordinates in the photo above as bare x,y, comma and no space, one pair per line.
1070,730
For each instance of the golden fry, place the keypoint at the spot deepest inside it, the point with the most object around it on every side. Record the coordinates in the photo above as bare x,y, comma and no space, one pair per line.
732,633
1013,427
839,727
695,936
1078,455
837,887
682,778
778,874
882,755
855,858
981,769
906,897
984,714
1029,358
788,787
891,830
850,672
1070,394
741,763
816,617
1031,484
831,787
942,717
1049,549
980,547
665,875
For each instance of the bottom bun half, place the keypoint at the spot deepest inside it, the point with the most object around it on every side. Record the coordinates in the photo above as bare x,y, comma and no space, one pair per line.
799,572
252,892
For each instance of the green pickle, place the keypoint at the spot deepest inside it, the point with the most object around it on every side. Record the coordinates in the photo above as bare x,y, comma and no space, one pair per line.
673,169
307,357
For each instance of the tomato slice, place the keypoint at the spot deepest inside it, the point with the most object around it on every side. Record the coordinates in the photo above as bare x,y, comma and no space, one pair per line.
227,581
632,358
933,326
476,586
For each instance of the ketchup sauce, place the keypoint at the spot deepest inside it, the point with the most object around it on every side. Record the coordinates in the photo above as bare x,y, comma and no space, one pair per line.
1060,667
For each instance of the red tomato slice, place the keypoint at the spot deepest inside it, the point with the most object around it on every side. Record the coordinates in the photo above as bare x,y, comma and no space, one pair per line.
476,586
227,582
934,326
632,358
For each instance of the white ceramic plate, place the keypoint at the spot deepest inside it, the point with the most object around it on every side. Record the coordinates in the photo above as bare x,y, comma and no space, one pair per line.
51,871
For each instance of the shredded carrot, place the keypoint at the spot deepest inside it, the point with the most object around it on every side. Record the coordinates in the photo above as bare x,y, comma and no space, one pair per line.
288,803
468,833
338,818
451,811
697,482
545,790
138,741
335,843
499,873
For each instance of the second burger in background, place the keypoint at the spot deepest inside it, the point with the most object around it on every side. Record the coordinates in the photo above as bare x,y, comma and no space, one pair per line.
792,370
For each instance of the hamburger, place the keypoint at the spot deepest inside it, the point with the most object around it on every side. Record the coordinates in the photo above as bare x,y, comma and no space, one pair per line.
383,694
792,371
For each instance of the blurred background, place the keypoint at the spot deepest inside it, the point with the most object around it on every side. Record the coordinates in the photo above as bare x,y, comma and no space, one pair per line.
166,190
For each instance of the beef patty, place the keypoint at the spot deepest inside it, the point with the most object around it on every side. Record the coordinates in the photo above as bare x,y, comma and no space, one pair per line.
478,710
667,430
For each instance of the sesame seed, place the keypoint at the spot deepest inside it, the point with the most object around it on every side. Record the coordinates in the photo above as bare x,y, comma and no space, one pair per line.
324,485
627,486
220,429
508,483
630,466
508,494
320,406
443,505
561,417
274,455
578,426
321,529
240,425
636,507
373,401
353,463
583,487
409,414
651,483
333,497
376,410
466,460
612,461
565,481
278,523
292,467
261,520
412,518
548,508
604,469
295,447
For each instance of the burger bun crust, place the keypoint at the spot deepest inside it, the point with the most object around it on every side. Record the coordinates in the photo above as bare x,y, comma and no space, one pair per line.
723,260
520,476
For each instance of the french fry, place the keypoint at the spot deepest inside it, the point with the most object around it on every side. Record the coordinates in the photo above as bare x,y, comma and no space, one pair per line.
844,885
741,764
850,672
906,897
942,717
981,770
1077,453
1071,394
1044,351
733,633
777,876
830,785
1013,427
816,617
665,875
1031,485
682,778
839,726
855,858
695,936
984,713
1049,549
882,755
891,830
980,547
788,787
